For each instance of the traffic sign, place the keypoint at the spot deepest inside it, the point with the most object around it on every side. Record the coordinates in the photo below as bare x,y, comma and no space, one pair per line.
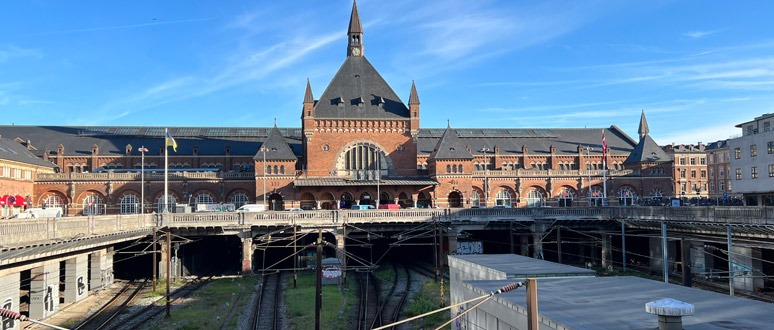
725,195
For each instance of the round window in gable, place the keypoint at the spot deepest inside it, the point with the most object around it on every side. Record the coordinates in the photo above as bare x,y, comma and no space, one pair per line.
399,148
326,148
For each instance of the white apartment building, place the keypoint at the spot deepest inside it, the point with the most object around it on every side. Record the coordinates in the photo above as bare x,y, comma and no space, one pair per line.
752,161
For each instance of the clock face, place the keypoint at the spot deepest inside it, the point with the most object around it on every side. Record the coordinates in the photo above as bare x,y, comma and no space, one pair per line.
356,51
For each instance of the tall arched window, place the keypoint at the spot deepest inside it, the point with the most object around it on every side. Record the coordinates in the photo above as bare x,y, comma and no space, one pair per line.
53,201
92,205
171,202
130,204
204,198
268,169
503,198
282,169
361,161
565,197
626,197
239,199
596,196
535,198
448,168
459,167
656,193
475,201
276,169
454,168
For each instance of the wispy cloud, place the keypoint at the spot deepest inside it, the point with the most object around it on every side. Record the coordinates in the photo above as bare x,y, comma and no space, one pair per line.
706,134
8,52
130,26
699,34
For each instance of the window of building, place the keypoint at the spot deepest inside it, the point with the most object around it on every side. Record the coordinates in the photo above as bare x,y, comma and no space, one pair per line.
703,173
454,168
268,169
693,173
565,197
682,161
712,186
130,204
702,161
771,170
596,196
448,168
535,198
753,150
722,185
682,187
204,198
92,205
737,153
626,197
754,172
693,161
739,174
712,173
171,203
682,173
503,197
766,126
475,201
770,147
239,199
720,172
705,186
282,169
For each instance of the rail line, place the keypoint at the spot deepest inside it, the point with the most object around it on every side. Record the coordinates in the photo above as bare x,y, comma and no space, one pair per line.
368,308
107,313
268,303
391,306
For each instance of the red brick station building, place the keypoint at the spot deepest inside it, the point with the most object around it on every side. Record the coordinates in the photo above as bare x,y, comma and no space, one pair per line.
358,143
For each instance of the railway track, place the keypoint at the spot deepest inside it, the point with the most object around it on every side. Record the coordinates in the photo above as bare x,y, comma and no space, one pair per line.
146,314
266,312
390,308
108,312
368,308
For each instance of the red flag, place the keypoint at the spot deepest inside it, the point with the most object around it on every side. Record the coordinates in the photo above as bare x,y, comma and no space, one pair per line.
604,144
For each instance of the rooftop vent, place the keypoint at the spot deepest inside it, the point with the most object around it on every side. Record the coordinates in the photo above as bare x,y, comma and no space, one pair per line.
670,312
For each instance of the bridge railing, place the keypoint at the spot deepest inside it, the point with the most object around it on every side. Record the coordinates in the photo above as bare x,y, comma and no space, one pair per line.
16,232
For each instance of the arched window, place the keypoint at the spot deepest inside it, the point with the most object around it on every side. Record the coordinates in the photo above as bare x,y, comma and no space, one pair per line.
477,167
276,169
239,199
534,198
448,168
92,205
626,197
171,203
282,169
475,201
503,198
454,168
130,204
565,197
204,198
361,161
53,201
656,193
459,167
268,169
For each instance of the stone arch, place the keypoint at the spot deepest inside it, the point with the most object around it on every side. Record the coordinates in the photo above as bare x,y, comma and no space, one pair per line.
308,201
386,197
385,164
424,199
202,191
91,202
54,193
455,199
536,196
404,200
347,199
117,196
328,201
513,196
234,192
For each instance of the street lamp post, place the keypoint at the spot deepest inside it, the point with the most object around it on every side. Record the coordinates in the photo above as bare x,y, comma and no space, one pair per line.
263,150
378,178
486,180
142,150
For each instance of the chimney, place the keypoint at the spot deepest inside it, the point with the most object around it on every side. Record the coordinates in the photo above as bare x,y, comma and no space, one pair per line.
670,312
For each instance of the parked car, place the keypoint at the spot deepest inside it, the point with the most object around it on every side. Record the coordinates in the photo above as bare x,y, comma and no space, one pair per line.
294,209
252,208
389,206
363,207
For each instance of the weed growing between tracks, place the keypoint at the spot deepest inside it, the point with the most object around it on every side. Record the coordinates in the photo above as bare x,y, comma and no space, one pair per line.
161,287
300,303
427,299
202,311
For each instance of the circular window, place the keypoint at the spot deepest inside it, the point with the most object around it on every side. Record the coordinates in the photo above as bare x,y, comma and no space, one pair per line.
326,148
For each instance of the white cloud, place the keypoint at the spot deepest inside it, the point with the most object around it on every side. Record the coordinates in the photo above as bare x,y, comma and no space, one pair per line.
8,52
699,34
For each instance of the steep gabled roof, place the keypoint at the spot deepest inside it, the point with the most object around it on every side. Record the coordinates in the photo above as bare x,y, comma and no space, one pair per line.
15,151
647,151
450,147
643,130
276,147
308,97
356,79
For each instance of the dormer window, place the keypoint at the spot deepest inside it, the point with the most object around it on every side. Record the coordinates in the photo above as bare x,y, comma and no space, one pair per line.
360,101
341,100
381,100
452,149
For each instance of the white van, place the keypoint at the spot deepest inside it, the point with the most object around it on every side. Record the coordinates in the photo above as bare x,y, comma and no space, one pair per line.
252,208
49,212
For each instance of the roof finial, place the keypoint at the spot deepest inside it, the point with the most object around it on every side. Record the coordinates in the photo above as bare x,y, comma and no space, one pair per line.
448,123
275,121
644,130
308,97
354,20
413,97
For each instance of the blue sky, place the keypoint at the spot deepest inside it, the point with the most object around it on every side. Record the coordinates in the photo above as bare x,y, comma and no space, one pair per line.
695,67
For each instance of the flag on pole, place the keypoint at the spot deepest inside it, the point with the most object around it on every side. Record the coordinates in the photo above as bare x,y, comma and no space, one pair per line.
604,144
171,142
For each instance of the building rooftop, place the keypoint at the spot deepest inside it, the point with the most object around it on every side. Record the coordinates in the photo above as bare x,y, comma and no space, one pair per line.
619,303
518,266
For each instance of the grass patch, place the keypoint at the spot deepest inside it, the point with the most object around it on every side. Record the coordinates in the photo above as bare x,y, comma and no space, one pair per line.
161,287
386,278
427,299
217,299
300,303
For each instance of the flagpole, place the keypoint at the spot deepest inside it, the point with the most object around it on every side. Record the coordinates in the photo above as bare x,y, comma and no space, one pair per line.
166,170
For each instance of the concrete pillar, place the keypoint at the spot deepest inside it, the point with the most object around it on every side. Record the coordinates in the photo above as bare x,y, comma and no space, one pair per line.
9,299
76,276
747,268
44,291
606,251
319,205
101,269
524,244
414,202
341,238
538,230
655,254
247,255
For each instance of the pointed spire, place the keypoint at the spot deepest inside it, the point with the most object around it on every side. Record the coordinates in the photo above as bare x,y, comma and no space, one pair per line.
448,123
644,130
413,97
354,20
275,122
308,97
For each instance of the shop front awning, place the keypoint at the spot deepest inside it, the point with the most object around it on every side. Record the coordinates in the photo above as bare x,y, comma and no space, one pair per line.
338,182
10,200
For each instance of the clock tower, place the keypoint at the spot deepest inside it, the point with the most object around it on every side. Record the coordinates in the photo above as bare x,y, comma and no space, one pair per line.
355,33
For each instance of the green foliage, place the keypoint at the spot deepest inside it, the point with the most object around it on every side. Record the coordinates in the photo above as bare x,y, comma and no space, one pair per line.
300,303
428,299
